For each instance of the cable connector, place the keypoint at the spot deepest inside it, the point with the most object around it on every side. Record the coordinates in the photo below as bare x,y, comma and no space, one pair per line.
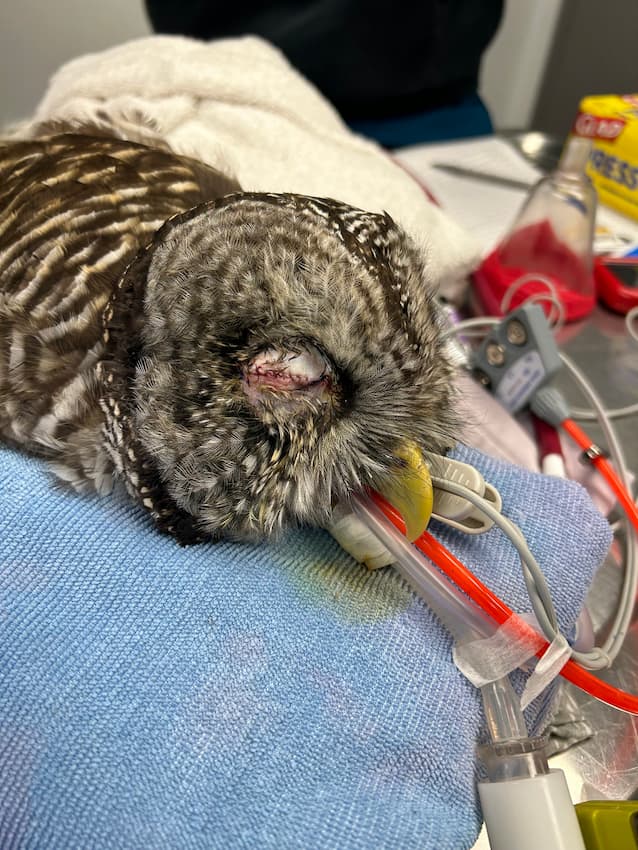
517,357
454,510
548,403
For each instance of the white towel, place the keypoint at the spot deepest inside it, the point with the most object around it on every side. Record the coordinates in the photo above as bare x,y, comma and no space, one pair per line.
237,104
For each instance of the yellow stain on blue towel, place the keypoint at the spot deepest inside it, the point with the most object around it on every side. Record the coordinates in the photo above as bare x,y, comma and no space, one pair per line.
330,579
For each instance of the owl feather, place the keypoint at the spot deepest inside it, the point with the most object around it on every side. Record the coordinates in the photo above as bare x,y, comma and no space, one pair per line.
239,361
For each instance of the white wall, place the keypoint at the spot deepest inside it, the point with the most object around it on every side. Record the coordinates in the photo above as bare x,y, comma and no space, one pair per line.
513,65
37,36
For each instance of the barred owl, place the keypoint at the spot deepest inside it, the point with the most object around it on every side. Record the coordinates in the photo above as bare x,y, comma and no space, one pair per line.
239,361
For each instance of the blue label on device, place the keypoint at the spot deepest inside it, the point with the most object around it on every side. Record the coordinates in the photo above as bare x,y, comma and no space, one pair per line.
521,380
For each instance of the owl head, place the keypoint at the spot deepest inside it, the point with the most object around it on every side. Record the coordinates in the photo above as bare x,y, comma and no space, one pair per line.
265,357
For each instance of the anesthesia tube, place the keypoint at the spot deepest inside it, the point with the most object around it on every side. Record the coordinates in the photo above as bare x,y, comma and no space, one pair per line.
461,617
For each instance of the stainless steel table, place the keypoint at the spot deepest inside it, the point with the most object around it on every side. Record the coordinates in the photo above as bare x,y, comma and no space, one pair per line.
606,765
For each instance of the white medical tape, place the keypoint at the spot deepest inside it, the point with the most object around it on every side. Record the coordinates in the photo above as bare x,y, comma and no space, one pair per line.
549,666
489,659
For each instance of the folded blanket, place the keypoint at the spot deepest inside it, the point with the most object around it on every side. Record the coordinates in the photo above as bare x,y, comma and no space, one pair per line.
237,104
244,696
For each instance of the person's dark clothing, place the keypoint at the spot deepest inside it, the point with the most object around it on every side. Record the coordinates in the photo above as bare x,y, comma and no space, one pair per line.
373,59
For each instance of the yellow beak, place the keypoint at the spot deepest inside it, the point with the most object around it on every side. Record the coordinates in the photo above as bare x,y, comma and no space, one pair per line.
409,490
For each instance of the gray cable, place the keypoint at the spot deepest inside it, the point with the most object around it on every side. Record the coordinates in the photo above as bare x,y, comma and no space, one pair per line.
539,594
622,620
604,655
615,413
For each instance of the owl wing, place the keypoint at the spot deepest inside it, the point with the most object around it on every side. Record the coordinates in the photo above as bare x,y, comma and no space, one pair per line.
74,212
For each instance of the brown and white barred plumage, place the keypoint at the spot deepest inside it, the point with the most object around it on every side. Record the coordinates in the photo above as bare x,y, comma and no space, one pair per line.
75,211
240,361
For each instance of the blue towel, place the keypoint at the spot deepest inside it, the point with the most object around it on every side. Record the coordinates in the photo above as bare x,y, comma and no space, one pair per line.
244,696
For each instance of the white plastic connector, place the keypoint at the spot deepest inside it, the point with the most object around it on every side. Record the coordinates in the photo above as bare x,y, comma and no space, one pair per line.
353,536
531,813
357,539
525,804
454,510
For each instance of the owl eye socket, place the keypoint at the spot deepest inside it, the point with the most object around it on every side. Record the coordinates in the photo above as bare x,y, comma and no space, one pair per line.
302,368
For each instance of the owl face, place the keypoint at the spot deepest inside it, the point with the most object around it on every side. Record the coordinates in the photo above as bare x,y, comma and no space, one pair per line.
267,355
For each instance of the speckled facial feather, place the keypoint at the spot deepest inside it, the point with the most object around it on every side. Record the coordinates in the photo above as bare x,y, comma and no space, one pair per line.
166,373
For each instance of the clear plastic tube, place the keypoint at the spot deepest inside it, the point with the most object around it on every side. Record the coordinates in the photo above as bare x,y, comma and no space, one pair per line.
496,609
461,617
515,762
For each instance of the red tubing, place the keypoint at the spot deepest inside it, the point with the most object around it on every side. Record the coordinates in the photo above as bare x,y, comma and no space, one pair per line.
606,470
500,612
